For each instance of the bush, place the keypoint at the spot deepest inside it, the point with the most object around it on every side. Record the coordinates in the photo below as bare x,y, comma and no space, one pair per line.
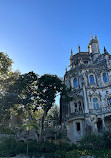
73,154
8,147
92,142
32,146
102,153
22,147
64,145
52,146
107,140
6,130
96,142
60,154
46,147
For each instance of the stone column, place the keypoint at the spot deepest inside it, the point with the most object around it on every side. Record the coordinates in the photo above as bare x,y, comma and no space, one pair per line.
103,124
85,100
96,129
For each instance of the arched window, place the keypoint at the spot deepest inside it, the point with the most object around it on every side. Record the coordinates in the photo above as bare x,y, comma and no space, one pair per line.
105,77
91,78
109,101
75,82
95,103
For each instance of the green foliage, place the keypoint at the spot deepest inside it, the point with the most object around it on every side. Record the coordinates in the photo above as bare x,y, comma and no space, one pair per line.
47,147
53,146
96,142
60,154
64,145
5,63
54,114
107,140
8,147
30,126
92,142
102,153
48,87
22,148
6,130
73,154
51,149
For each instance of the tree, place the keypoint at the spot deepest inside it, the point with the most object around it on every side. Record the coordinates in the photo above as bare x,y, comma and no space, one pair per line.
6,79
30,93
54,114
20,94
48,87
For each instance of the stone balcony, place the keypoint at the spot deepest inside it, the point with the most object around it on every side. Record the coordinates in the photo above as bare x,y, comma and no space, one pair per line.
102,110
76,115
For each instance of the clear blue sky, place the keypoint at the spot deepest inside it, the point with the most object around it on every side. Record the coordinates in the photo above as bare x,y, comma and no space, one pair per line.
38,34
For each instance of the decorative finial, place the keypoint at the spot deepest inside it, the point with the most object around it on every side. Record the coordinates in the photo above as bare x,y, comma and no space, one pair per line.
105,51
79,47
71,52
96,37
66,69
91,36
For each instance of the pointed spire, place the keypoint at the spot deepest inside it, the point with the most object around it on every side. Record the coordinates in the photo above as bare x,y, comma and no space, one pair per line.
79,48
71,52
91,36
66,69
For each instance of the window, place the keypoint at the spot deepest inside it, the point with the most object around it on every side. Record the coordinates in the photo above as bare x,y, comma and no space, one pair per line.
75,82
85,62
80,106
91,77
76,63
105,77
109,101
95,103
78,126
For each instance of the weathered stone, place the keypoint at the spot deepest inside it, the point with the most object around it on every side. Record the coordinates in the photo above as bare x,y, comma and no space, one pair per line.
89,79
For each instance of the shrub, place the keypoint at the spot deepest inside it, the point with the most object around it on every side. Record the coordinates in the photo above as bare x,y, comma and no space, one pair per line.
92,142
60,154
22,147
49,155
6,130
64,145
107,140
32,146
102,153
8,147
73,154
46,147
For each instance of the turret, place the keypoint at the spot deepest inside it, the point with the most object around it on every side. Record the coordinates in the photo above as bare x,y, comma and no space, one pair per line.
94,47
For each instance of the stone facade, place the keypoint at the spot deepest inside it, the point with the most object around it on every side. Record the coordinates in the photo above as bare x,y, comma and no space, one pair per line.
89,81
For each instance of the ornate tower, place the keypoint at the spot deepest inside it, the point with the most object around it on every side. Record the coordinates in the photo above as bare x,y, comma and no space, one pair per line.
94,48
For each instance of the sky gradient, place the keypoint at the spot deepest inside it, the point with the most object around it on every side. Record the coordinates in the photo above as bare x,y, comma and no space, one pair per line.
39,34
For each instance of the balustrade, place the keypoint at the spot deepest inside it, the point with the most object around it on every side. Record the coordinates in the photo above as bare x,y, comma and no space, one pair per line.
100,110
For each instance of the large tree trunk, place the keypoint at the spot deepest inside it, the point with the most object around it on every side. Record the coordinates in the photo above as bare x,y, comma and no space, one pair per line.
31,120
42,126
42,123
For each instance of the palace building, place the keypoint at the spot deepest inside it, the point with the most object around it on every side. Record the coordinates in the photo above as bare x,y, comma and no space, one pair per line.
89,81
